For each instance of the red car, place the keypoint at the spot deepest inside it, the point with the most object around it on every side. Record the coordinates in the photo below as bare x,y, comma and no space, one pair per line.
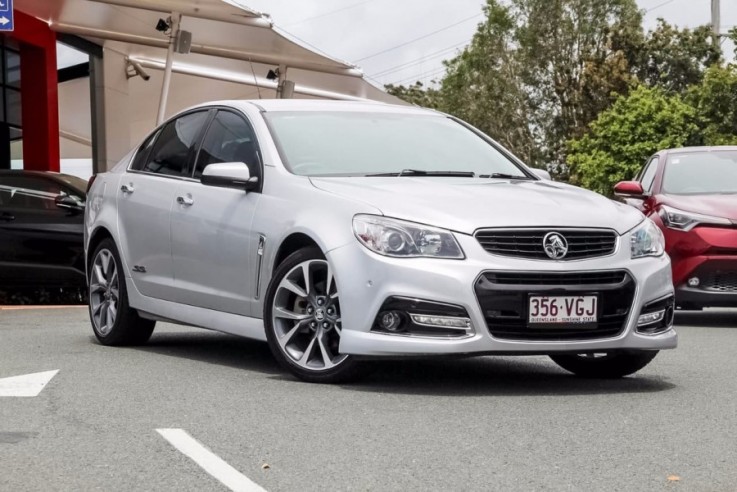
691,193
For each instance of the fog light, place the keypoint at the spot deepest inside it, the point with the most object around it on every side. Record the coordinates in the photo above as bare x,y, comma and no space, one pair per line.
390,320
451,322
650,318
693,282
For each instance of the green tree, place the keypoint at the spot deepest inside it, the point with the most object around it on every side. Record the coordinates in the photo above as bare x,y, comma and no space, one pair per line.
573,55
416,93
624,136
715,101
483,85
674,58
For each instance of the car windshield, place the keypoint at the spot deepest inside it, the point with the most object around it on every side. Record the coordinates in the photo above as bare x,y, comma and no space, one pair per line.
370,143
697,173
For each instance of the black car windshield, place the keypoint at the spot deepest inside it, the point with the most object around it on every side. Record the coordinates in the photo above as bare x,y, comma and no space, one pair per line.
338,143
697,173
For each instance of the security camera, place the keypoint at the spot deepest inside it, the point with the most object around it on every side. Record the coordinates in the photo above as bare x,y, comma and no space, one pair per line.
134,68
163,25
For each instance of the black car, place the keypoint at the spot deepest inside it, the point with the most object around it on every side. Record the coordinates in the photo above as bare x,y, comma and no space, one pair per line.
41,229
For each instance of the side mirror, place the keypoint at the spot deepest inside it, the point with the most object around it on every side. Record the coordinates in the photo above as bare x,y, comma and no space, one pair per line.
542,174
629,189
69,203
229,175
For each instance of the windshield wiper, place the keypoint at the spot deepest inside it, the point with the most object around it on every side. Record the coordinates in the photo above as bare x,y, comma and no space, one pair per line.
420,172
504,176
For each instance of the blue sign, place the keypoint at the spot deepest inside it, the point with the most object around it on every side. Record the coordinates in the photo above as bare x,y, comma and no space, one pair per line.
6,15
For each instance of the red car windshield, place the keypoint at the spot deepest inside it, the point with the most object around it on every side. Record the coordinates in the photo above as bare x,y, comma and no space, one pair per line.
697,173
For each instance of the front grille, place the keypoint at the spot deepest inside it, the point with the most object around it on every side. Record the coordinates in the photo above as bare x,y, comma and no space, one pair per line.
504,299
575,278
720,281
528,243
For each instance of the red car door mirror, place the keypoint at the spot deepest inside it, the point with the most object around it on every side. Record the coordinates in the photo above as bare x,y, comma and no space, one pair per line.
629,189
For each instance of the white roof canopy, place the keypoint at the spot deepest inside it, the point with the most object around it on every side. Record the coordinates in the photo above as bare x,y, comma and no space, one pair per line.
230,42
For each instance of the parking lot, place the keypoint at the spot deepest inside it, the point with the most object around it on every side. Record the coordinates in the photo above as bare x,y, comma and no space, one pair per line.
474,424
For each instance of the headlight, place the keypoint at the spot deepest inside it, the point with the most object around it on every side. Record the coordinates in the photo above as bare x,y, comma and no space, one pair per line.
685,221
392,237
647,240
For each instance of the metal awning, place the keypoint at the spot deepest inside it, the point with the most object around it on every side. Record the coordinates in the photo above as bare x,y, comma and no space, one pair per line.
229,42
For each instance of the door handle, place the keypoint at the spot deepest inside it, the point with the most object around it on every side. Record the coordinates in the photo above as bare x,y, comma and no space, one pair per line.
127,188
185,200
5,216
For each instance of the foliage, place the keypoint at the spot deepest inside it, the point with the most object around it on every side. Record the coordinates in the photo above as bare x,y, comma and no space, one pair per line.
483,85
414,94
675,59
715,100
623,137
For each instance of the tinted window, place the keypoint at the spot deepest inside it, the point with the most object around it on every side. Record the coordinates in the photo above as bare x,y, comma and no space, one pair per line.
229,139
139,161
25,192
701,173
648,175
354,143
170,153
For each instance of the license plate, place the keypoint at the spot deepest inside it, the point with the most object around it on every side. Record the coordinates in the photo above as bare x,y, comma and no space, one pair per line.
557,310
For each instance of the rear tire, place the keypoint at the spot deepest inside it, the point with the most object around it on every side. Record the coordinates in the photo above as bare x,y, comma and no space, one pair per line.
303,320
605,366
114,322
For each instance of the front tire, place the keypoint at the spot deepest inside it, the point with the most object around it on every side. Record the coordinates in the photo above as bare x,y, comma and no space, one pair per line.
605,365
303,320
114,322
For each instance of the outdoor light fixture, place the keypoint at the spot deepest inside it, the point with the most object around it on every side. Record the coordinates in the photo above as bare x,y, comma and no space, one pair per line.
163,25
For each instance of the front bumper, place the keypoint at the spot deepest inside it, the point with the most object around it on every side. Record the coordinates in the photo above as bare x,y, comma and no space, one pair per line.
366,280
708,255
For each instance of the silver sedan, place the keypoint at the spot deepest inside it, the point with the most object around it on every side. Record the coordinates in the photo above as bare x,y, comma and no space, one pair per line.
339,232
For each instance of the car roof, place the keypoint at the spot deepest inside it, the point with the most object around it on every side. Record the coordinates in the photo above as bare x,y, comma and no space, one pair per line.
694,150
45,174
274,105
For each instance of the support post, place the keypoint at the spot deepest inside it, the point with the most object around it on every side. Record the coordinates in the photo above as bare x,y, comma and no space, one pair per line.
175,20
280,82
716,19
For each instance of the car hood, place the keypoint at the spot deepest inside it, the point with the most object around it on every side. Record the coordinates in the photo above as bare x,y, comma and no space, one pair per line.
465,205
715,205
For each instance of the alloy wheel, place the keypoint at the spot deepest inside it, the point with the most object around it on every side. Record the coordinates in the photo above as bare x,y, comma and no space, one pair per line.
306,316
104,291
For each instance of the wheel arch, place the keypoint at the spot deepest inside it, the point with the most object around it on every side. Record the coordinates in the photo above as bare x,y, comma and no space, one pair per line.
292,243
98,235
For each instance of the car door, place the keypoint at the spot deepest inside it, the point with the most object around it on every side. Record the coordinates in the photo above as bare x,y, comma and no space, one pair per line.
212,240
146,196
40,242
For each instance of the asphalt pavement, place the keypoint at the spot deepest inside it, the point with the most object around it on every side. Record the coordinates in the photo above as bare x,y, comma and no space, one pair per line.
491,423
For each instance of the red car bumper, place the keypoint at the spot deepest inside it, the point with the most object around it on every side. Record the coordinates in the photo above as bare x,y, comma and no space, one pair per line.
708,254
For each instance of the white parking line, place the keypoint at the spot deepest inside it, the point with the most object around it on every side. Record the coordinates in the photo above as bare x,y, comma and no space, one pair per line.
209,461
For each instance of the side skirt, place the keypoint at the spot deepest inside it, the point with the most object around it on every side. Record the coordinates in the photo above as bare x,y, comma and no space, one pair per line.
183,314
